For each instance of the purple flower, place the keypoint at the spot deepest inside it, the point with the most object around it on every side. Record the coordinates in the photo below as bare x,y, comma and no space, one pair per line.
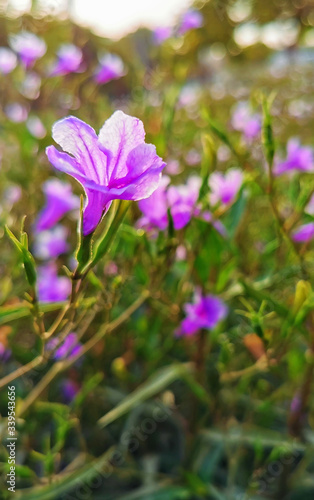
110,68
59,201
206,312
299,158
12,195
225,187
51,287
8,60
154,208
161,34
69,347
181,200
5,353
117,164
28,46
35,127
304,233
69,389
16,112
51,243
190,20
245,121
69,60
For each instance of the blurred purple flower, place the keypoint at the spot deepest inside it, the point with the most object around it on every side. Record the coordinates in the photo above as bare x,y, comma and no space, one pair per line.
299,158
190,20
30,86
110,68
69,347
173,167
225,187
117,164
181,200
5,353
193,158
8,60
161,34
59,201
304,233
69,389
51,243
51,287
12,195
16,112
28,46
205,312
245,121
35,127
69,60
154,208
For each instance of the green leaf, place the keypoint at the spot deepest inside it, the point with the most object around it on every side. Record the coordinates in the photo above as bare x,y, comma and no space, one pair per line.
28,259
156,383
267,131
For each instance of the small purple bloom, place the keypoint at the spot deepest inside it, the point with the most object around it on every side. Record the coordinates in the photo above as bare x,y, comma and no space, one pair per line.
8,60
161,34
5,353
245,121
59,201
69,389
51,243
299,158
154,208
304,233
225,187
16,112
192,19
173,167
70,347
35,127
117,164
206,312
12,195
110,67
183,201
28,46
51,287
193,158
69,60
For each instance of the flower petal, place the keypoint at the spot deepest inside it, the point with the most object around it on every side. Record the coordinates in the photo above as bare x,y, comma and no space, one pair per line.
97,204
80,140
119,135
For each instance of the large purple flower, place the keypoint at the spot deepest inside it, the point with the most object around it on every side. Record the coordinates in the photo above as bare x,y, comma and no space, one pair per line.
225,187
300,158
8,60
28,46
190,20
110,68
69,60
59,201
51,287
205,312
117,164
